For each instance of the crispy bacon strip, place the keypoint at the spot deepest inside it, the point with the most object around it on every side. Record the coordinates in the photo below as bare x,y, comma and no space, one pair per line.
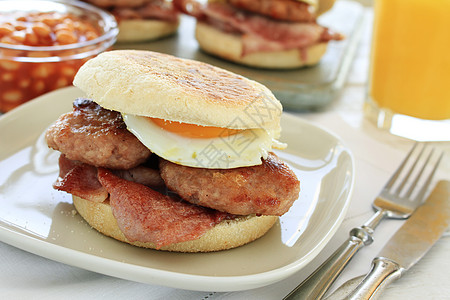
79,179
148,216
142,213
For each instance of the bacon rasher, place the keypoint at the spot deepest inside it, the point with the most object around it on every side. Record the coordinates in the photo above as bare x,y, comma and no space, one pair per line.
143,214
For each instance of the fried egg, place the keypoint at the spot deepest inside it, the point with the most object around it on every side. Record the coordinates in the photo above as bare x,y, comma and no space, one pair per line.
203,146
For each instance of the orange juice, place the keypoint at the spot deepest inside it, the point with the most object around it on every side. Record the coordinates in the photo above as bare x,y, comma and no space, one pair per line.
410,59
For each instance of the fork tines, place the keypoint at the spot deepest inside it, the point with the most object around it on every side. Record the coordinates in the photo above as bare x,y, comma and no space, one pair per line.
414,169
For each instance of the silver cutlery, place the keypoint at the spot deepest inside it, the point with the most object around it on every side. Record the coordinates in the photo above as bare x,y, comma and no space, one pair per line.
398,199
408,245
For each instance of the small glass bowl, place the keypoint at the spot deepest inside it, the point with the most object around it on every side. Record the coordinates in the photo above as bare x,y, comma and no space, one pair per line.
30,71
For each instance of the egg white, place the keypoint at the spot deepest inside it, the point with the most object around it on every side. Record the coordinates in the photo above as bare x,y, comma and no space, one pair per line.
243,149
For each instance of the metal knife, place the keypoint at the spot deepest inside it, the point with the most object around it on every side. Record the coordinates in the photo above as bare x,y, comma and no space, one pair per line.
409,244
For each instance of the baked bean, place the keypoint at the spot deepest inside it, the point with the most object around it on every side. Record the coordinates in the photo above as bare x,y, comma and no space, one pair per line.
7,76
77,25
39,86
69,24
20,25
42,71
62,26
31,39
49,21
9,65
8,40
68,71
91,35
41,29
24,83
61,82
6,29
19,36
65,37
12,96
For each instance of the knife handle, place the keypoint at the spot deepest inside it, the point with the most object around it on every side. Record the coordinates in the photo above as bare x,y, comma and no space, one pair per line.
383,272
318,283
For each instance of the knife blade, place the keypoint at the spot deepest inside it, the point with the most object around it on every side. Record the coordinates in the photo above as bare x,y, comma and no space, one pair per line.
409,244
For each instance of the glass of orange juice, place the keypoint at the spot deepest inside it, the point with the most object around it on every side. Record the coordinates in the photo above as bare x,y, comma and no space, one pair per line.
409,80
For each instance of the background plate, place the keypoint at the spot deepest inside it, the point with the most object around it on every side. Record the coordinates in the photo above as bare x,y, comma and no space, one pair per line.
38,219
298,89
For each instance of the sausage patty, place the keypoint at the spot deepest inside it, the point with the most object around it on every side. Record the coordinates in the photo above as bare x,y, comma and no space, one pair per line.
285,10
266,189
96,136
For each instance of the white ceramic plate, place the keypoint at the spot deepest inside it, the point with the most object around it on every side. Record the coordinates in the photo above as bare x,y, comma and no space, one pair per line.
38,219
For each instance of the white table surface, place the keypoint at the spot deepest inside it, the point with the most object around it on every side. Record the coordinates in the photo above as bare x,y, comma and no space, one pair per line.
27,276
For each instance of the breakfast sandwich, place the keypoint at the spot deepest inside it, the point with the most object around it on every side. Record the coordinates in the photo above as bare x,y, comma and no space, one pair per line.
172,154
274,34
141,20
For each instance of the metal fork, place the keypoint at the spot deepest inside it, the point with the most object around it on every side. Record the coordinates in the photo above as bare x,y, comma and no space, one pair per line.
392,202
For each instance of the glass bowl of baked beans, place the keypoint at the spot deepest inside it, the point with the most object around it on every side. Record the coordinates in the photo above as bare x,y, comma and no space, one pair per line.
44,43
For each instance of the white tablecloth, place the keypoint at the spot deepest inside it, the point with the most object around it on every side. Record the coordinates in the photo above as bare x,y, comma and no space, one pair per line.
27,276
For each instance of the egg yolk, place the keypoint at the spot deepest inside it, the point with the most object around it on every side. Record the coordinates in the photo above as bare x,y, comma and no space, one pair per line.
192,130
